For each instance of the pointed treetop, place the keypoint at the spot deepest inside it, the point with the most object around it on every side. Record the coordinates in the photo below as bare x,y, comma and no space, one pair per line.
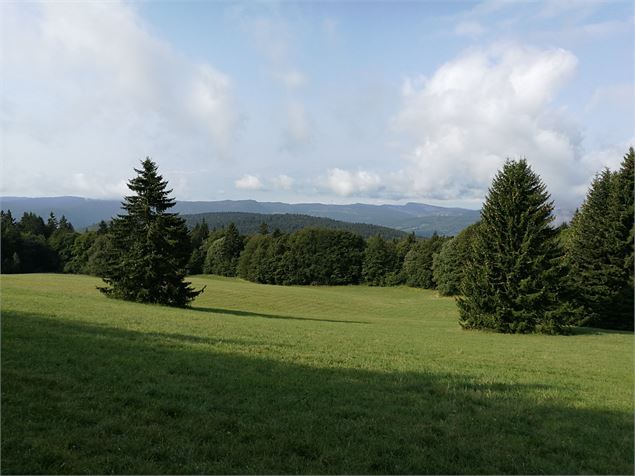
150,190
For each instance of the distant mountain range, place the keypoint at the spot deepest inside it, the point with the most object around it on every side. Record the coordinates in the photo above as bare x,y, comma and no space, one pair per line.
412,217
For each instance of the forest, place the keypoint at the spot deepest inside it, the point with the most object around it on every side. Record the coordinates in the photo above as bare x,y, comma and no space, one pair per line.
580,273
249,223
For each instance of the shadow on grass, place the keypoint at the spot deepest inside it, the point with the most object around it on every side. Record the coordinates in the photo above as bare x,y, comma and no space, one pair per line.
189,339
233,312
78,398
595,331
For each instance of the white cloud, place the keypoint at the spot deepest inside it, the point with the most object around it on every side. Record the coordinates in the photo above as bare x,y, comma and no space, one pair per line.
92,90
346,183
483,107
211,102
282,182
249,182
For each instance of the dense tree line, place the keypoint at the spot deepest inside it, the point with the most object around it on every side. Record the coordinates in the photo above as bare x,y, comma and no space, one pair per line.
249,223
511,272
307,256
32,245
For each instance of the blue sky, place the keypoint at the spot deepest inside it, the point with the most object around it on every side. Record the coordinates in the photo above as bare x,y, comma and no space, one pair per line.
333,102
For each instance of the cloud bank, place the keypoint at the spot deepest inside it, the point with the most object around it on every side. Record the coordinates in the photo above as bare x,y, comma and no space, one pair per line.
483,107
345,183
92,88
249,182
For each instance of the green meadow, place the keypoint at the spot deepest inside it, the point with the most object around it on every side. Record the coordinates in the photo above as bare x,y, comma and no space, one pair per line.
268,379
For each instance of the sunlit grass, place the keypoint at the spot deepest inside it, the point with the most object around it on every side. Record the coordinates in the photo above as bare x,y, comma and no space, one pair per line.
266,379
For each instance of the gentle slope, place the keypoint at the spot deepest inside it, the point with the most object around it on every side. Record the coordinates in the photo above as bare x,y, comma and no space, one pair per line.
265,379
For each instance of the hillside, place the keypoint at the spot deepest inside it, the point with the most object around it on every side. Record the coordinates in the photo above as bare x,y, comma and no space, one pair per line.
257,379
249,223
418,217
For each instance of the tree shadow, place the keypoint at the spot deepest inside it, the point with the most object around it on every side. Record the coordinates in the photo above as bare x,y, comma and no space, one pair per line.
79,398
189,339
596,331
234,312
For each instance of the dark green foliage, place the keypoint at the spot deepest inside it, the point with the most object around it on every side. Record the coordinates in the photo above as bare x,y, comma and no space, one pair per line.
61,240
600,250
90,254
402,247
252,223
150,247
35,255
417,266
198,238
380,262
449,263
447,268
308,256
102,228
196,262
9,243
257,261
199,234
513,281
51,224
31,246
319,256
223,253
213,257
33,224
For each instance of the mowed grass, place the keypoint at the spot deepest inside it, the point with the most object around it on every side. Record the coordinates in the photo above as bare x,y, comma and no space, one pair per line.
265,379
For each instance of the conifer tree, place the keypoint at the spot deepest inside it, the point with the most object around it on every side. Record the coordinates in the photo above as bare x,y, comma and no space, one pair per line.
51,225
150,246
199,233
600,250
512,282
9,243
625,196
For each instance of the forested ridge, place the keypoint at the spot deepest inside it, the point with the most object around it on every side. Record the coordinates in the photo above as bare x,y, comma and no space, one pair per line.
249,223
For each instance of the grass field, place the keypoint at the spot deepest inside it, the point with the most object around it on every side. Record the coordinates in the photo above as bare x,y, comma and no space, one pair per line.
264,379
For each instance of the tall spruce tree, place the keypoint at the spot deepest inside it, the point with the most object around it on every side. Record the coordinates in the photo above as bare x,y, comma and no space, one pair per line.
150,246
625,198
600,250
512,282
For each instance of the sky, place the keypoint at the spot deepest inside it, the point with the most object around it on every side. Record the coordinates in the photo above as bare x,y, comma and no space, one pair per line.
331,102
